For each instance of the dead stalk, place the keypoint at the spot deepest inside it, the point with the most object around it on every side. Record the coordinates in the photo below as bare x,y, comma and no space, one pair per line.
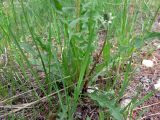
95,63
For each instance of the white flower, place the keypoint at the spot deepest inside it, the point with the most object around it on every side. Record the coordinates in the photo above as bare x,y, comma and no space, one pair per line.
5,4
110,18
102,20
148,63
109,22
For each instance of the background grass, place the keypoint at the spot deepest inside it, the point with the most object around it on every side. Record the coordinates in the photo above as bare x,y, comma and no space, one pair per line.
47,46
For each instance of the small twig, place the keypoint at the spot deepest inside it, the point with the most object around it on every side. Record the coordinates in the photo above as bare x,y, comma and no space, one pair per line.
27,92
150,115
146,106
14,106
34,102
5,57
92,112
13,97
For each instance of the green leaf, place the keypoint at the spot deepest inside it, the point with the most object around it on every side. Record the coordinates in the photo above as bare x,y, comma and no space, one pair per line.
57,5
42,45
125,81
139,41
28,48
88,118
104,100
146,97
152,35
106,53
74,23
101,115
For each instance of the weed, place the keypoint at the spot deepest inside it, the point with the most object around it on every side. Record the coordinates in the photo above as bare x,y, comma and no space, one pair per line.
51,46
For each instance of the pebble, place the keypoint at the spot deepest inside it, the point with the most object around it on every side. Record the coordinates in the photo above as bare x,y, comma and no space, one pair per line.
157,86
148,63
125,102
91,89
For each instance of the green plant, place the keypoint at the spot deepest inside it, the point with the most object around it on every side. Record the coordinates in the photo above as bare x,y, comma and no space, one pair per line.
57,39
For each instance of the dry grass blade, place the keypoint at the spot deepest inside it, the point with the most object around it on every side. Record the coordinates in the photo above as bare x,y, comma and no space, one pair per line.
29,91
13,97
147,106
14,106
95,63
24,106
151,115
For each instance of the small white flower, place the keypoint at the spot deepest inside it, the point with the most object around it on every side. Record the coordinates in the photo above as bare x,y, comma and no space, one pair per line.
102,20
148,63
111,17
5,4
109,22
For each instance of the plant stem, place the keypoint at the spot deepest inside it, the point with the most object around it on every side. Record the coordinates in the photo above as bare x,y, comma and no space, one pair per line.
95,63
78,10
